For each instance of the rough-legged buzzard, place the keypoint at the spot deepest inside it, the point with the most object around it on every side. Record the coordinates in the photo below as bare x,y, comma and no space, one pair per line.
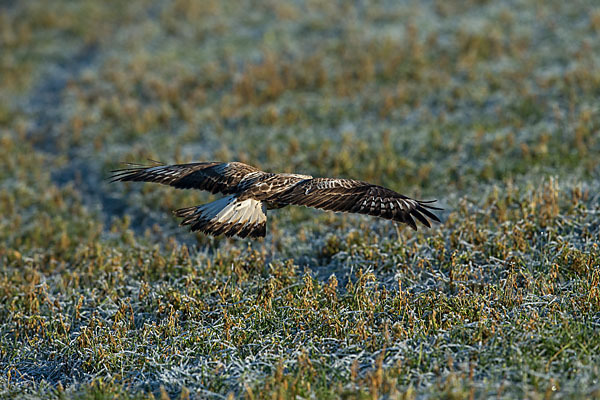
250,192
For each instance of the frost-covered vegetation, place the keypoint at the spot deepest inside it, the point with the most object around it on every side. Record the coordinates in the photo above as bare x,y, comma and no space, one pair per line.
490,106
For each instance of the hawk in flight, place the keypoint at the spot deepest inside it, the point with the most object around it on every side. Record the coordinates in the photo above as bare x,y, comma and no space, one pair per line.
250,192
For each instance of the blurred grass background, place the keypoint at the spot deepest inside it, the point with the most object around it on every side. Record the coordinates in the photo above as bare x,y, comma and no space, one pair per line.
489,106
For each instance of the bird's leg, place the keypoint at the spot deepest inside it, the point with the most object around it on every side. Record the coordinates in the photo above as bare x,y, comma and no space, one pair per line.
397,229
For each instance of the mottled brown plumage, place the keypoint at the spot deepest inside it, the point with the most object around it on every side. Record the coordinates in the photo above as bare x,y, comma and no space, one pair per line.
250,192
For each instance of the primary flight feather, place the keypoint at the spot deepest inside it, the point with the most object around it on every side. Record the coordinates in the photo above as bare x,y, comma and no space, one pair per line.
250,192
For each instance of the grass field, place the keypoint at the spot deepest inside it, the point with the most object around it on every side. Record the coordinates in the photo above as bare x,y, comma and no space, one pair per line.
492,107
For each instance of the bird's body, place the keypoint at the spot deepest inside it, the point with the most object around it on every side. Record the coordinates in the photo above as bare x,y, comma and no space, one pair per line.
250,192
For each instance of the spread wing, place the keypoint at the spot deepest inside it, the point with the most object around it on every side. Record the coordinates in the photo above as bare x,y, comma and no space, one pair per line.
214,177
358,197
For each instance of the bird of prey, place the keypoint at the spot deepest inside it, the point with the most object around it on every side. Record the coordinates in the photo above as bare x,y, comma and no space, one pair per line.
250,192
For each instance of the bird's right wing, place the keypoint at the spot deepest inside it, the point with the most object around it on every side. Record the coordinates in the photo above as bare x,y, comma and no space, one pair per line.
349,195
215,177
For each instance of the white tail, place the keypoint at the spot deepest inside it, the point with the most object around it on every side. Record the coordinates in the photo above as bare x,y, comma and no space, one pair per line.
228,216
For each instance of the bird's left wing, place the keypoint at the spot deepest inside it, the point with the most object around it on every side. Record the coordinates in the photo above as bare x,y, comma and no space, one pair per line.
349,195
215,177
